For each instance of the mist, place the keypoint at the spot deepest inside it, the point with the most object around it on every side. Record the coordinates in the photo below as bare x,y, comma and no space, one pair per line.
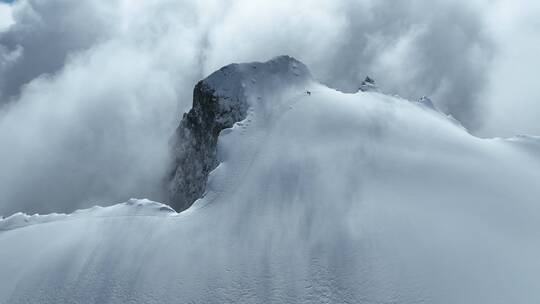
91,91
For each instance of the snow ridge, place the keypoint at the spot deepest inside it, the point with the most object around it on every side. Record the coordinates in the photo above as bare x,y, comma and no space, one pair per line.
133,207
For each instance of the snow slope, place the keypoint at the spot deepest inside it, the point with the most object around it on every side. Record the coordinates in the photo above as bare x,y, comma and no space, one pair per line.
319,198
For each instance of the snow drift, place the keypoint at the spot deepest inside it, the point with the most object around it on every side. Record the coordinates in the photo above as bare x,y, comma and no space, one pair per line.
317,198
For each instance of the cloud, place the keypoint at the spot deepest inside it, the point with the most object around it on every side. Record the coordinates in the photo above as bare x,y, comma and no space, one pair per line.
512,96
414,48
94,130
6,18
47,32
91,91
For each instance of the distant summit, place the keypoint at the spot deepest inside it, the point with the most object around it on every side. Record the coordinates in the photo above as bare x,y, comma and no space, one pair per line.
369,85
426,101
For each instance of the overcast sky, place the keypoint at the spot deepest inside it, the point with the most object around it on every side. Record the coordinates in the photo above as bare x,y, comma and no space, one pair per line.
91,90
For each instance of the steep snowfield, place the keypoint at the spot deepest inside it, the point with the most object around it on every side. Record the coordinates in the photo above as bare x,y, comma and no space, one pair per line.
319,198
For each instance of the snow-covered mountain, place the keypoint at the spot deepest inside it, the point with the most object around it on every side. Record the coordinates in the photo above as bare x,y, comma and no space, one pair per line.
318,197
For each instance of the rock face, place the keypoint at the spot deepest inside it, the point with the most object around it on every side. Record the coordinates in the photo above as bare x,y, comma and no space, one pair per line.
218,102
196,141
369,85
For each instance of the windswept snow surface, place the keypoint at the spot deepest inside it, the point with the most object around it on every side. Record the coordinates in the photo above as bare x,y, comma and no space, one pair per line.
319,198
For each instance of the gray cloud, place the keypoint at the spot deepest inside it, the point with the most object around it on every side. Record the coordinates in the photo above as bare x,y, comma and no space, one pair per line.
44,34
96,129
434,48
97,87
414,48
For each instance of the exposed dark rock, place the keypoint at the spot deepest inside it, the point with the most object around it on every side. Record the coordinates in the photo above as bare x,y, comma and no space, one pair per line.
369,85
219,101
196,141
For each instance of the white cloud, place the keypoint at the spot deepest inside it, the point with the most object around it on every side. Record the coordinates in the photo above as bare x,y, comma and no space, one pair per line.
512,94
92,90
6,18
96,130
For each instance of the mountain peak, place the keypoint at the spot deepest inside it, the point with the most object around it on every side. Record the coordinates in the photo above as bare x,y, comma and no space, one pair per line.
369,85
235,79
219,101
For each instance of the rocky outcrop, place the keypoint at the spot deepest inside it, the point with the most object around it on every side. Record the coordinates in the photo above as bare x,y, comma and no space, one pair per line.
219,101
426,101
369,85
196,141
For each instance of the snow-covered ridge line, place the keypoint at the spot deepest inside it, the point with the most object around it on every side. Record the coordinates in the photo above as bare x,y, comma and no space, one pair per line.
320,197
522,137
133,207
529,143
